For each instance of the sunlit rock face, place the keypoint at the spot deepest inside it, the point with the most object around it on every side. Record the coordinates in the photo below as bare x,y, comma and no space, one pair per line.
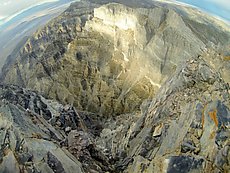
116,17
108,58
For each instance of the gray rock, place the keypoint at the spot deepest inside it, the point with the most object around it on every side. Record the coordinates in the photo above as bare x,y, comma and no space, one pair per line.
27,140
183,164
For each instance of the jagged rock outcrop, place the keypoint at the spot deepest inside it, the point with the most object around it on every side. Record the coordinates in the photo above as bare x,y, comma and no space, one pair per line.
28,141
108,57
185,128
40,135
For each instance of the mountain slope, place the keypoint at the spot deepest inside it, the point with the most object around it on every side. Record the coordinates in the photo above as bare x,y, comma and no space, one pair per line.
100,61
184,128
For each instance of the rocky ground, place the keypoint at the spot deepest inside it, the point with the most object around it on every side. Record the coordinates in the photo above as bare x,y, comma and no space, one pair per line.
94,91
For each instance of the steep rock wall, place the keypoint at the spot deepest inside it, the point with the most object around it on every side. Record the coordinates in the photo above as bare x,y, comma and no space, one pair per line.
108,58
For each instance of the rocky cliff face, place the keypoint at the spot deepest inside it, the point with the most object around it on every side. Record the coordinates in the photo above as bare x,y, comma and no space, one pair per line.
185,128
146,89
109,58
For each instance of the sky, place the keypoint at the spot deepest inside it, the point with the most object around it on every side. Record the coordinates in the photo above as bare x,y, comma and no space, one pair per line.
219,8
11,8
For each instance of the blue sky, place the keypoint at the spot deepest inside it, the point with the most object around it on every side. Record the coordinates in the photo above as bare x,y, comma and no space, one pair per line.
219,8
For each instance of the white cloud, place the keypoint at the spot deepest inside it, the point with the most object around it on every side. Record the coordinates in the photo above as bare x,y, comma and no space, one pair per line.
2,17
7,3
9,9
224,4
